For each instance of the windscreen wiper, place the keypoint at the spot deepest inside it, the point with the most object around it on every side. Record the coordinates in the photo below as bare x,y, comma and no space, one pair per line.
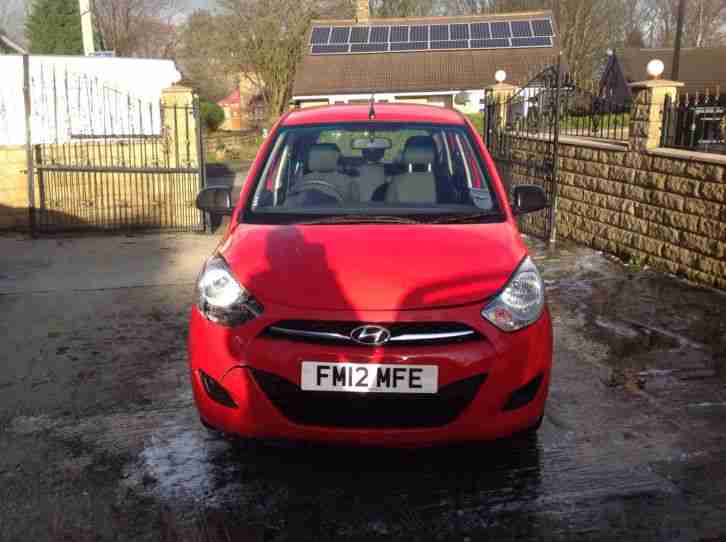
362,219
489,216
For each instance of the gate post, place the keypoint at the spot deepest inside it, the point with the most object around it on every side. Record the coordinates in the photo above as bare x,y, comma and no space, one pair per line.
500,94
180,124
556,155
646,121
181,137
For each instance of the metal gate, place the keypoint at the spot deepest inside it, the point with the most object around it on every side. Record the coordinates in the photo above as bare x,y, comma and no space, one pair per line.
110,161
521,131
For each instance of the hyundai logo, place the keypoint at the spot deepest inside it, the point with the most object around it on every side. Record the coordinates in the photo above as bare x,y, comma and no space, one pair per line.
370,335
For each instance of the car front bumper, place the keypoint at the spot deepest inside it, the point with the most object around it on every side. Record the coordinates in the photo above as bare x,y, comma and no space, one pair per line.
251,366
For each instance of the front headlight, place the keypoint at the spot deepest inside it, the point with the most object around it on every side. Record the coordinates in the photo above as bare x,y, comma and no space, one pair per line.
520,303
221,299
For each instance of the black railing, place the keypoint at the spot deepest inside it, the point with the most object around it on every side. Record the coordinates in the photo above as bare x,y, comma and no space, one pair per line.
582,113
695,122
593,113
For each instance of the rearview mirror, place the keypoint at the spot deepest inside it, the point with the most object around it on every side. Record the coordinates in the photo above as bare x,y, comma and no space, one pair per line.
528,198
215,200
375,143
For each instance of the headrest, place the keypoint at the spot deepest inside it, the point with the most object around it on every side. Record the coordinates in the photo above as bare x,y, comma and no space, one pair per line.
323,157
419,150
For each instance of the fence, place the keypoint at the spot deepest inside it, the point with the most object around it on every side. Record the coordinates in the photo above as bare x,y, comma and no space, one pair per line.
582,112
593,113
101,158
695,122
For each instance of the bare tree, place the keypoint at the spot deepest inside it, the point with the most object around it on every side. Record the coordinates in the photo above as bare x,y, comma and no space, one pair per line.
137,27
704,26
265,40
402,8
204,56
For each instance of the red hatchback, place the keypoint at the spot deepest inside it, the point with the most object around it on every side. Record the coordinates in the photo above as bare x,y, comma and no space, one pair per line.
371,288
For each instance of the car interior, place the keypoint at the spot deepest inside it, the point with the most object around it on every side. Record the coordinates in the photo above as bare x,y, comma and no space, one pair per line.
429,169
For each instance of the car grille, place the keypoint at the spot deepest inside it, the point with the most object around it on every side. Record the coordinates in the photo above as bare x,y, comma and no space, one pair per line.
402,333
368,410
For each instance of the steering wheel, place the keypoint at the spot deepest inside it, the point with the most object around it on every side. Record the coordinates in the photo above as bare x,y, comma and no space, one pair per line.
319,185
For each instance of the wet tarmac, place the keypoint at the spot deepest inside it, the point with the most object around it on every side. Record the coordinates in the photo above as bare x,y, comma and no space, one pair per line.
99,439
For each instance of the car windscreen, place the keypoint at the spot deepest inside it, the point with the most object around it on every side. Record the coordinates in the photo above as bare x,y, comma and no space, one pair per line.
387,170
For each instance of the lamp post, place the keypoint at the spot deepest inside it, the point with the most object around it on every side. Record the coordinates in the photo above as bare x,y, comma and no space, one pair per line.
679,38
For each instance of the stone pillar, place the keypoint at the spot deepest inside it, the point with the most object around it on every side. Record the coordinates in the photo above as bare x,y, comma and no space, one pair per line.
646,120
499,94
180,126
362,11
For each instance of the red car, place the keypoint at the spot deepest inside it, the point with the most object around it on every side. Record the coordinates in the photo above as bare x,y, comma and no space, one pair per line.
371,288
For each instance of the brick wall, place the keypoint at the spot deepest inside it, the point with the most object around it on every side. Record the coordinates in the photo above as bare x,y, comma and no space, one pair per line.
660,207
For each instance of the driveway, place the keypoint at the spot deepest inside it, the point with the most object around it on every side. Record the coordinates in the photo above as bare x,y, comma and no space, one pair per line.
100,440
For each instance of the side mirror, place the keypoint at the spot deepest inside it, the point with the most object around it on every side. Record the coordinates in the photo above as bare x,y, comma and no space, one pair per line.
215,200
528,198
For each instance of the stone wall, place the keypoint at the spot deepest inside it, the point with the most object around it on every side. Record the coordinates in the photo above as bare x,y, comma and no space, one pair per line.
13,188
660,207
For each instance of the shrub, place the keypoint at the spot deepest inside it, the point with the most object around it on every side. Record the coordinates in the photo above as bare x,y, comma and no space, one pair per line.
212,115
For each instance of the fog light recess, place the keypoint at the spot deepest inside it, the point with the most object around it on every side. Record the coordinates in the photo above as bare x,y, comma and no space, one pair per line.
524,395
215,391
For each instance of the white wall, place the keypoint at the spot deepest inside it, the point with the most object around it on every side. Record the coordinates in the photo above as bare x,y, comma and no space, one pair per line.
76,95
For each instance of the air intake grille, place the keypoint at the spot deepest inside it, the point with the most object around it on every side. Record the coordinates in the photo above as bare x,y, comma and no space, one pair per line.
368,410
402,333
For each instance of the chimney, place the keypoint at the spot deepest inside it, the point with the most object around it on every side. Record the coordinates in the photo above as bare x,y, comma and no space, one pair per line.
362,11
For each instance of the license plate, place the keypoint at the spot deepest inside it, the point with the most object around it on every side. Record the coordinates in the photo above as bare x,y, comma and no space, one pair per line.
369,377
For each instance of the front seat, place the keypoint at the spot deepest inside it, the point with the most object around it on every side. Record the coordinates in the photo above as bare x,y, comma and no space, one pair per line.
418,183
322,164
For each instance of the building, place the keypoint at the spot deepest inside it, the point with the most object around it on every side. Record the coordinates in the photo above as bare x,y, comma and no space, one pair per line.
446,61
231,107
244,108
701,70
70,96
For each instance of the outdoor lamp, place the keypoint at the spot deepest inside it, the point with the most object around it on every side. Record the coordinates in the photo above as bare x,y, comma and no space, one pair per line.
655,68
500,76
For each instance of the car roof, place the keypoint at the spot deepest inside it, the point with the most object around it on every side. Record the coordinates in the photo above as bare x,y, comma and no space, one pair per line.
385,112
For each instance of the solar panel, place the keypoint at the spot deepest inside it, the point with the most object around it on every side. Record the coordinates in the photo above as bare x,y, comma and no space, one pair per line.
439,32
490,44
369,48
340,34
539,41
399,33
521,29
421,37
420,33
542,27
359,34
450,44
500,30
320,35
410,46
480,31
327,49
379,34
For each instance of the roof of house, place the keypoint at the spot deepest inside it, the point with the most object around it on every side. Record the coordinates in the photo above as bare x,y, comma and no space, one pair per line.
700,68
384,112
426,70
232,99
